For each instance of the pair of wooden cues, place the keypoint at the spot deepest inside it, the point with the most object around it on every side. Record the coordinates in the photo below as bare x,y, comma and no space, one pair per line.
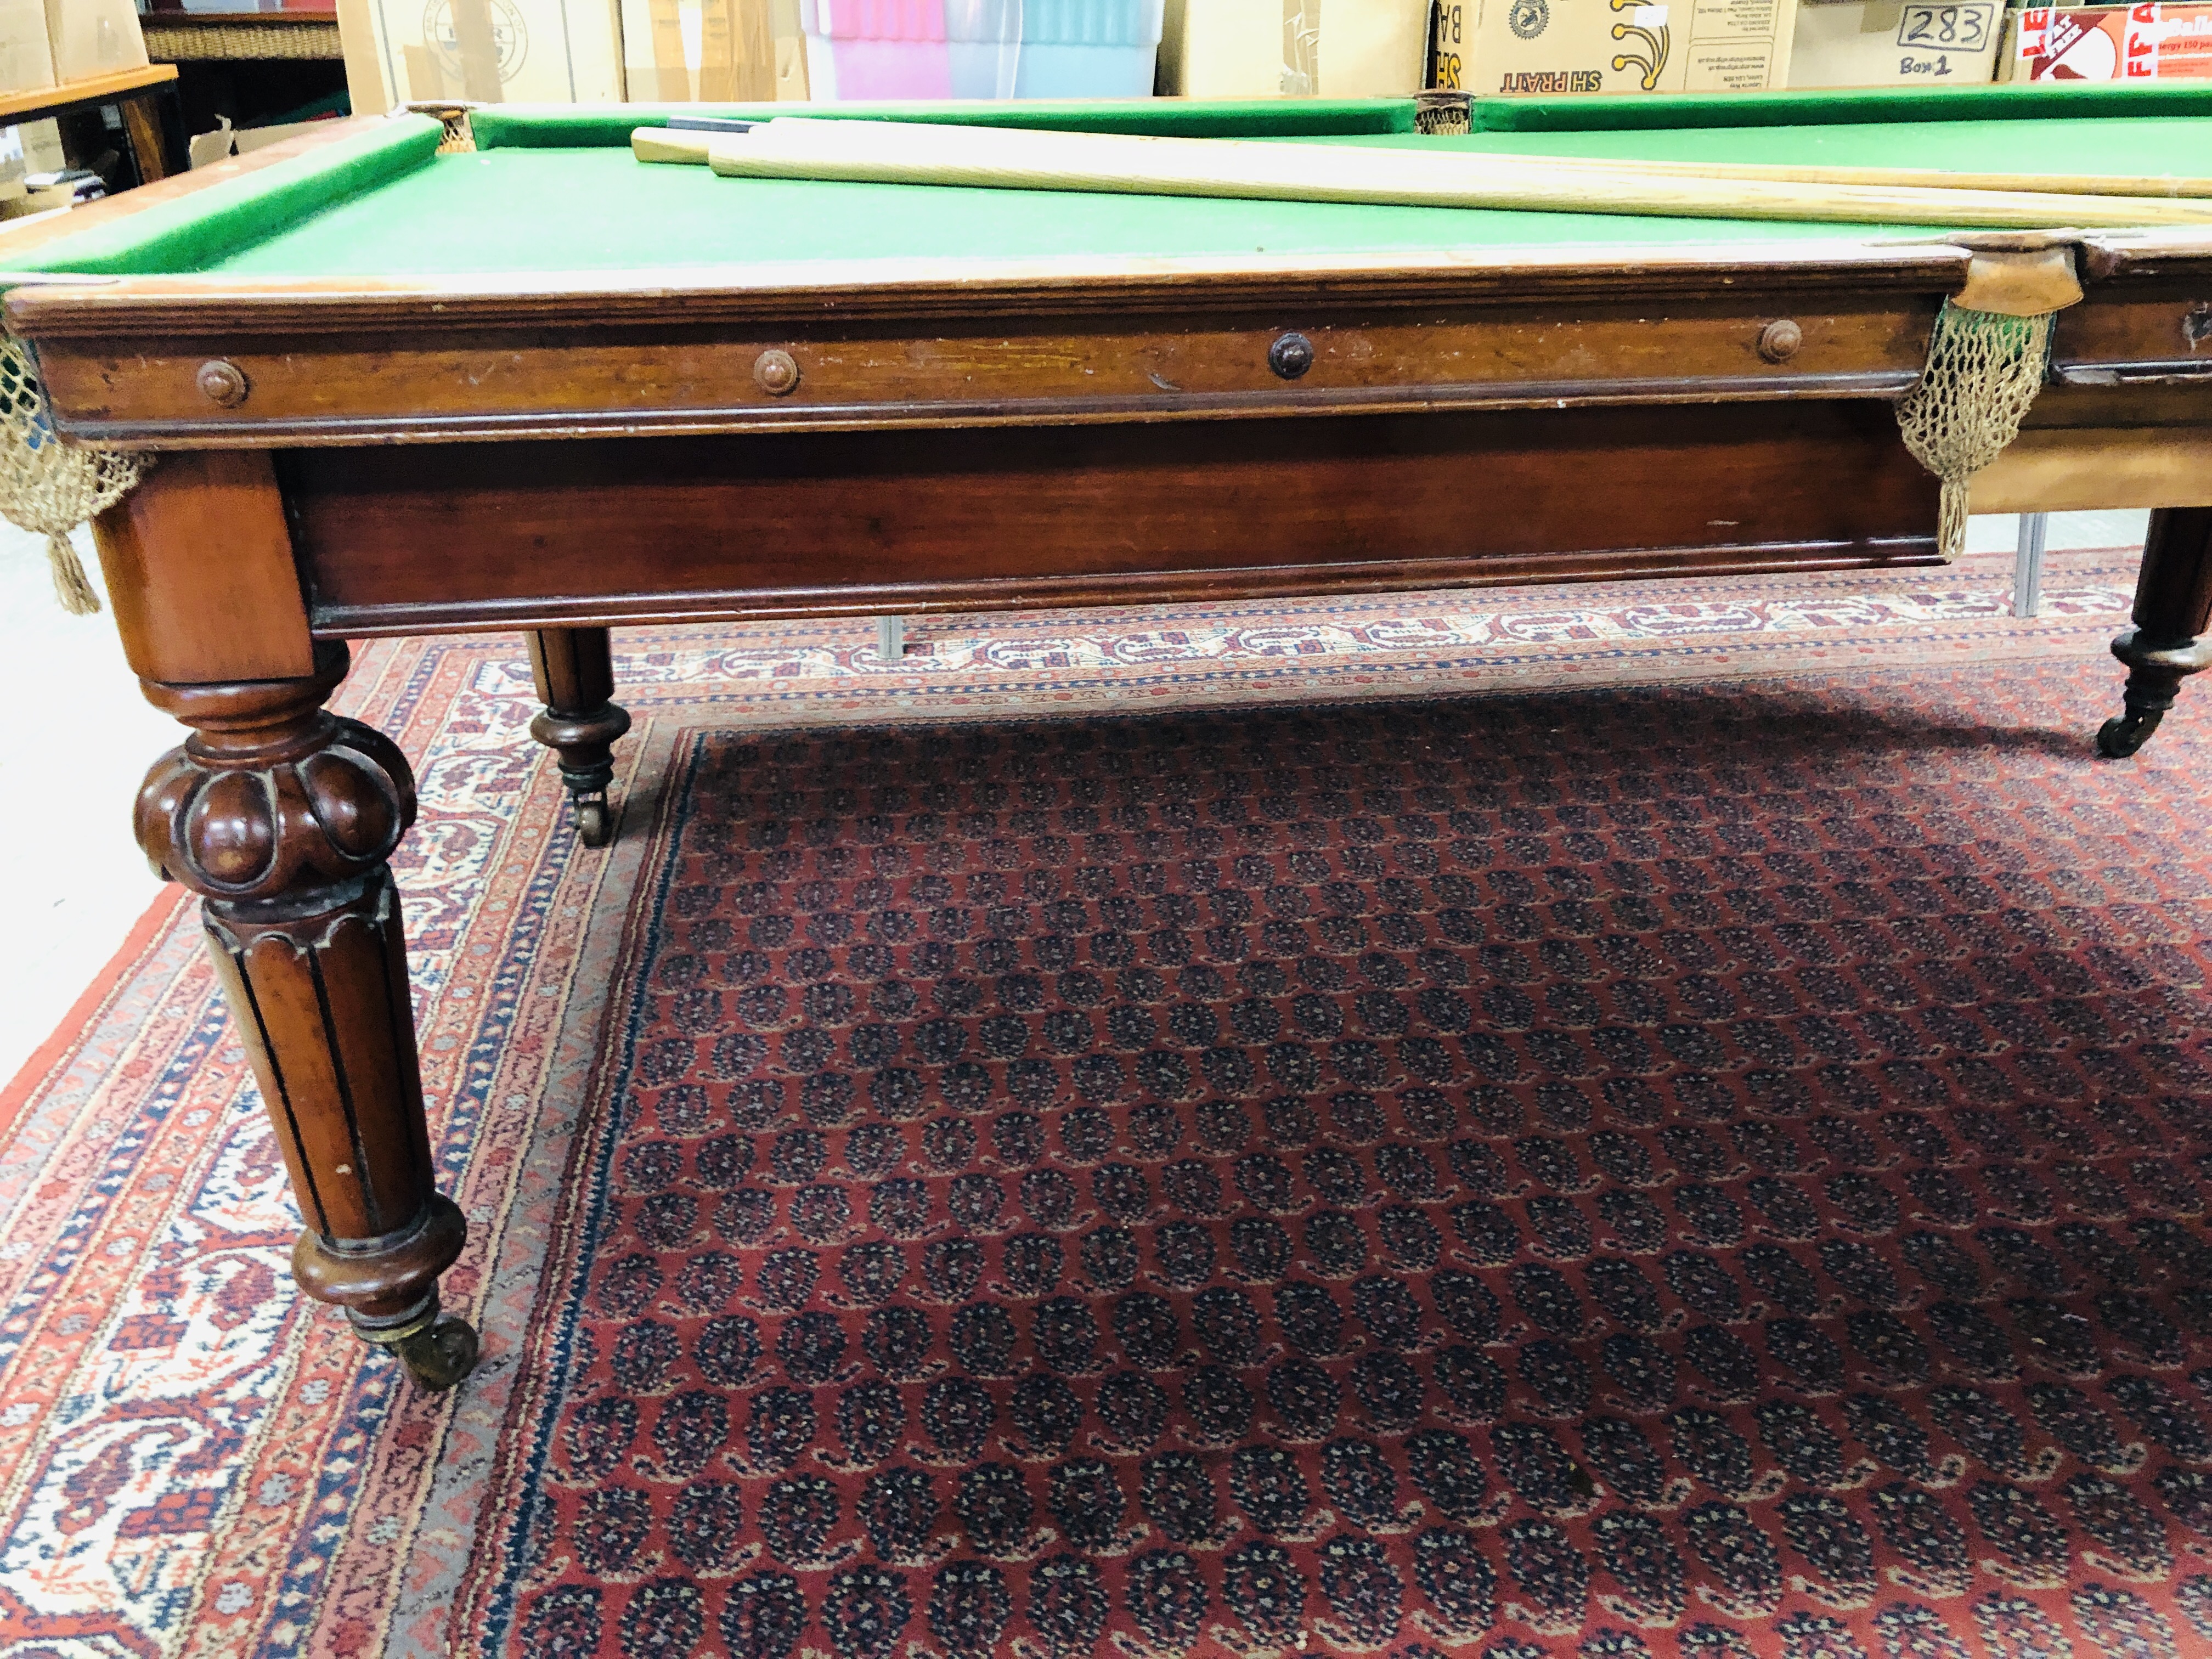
919,152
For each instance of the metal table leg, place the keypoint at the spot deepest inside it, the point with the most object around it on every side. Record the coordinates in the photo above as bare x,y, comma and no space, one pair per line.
2027,571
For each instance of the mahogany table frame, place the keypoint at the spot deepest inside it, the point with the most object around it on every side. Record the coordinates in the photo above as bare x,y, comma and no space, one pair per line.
335,462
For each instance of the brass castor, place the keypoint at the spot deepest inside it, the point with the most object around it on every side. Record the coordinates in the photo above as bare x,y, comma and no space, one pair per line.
439,1354
2118,739
575,671
2156,668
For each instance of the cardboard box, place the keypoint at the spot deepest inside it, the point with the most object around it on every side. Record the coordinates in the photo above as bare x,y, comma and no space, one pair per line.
226,140
37,204
91,38
1896,43
26,58
714,50
12,168
1297,48
1555,46
42,146
516,51
790,37
2110,43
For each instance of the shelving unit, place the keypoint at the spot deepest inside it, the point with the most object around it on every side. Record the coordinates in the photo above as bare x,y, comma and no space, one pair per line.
147,97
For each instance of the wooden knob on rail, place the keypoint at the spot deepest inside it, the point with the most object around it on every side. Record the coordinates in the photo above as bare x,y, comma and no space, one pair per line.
776,373
223,383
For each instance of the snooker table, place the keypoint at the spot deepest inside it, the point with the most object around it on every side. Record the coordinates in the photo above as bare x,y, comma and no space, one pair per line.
478,368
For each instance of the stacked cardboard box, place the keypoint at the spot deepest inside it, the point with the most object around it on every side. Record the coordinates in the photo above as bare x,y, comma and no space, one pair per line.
555,51
714,52
27,55
2147,42
1299,48
1896,43
92,37
44,43
1613,45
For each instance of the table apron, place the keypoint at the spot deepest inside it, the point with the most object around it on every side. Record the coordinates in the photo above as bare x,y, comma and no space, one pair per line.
454,537
2096,444
435,384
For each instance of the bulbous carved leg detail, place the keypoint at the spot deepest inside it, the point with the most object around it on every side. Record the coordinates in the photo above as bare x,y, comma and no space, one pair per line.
282,816
2168,642
574,670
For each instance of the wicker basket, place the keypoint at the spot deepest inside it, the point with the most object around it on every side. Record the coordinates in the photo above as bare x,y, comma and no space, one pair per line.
239,35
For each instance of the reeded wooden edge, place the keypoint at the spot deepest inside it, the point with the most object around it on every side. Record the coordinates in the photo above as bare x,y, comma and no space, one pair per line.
111,308
1151,587
586,422
973,288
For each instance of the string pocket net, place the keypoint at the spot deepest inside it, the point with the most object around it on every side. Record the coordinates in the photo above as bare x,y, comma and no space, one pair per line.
48,487
1984,370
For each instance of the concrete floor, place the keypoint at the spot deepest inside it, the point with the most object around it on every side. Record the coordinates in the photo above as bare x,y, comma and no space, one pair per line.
71,759
70,762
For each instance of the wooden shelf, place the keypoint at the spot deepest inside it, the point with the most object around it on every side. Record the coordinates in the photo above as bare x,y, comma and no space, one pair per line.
43,101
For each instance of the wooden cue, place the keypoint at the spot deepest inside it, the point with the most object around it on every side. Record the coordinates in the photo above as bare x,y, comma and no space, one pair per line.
2152,186
921,153
670,144
661,144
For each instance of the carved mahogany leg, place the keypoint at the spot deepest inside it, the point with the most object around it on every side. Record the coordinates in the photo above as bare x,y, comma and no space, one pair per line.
2168,642
282,817
575,674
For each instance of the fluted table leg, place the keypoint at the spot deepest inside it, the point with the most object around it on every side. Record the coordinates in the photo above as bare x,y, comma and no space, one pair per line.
282,816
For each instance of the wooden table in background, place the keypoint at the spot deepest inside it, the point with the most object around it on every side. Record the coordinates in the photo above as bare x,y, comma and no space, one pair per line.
157,147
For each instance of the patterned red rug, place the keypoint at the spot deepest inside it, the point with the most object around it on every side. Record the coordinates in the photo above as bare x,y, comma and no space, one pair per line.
1645,1167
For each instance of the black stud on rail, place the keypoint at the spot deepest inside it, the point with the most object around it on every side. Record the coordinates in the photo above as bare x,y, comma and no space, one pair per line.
1290,356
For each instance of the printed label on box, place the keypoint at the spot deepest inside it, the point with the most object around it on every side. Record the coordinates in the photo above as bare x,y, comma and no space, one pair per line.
1554,46
1724,69
1947,27
1887,43
2114,42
